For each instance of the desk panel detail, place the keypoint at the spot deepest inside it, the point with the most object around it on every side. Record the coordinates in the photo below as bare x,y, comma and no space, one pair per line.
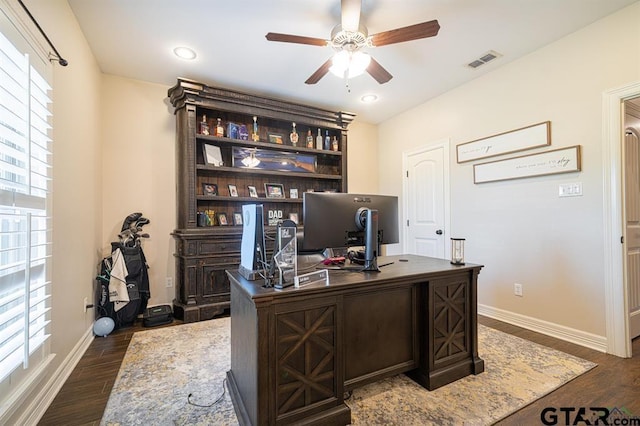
307,371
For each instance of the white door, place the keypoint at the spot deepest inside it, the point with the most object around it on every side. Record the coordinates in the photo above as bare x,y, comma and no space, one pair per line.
632,238
426,194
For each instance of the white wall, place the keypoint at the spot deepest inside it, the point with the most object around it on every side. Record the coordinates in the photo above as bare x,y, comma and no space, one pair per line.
519,229
77,179
138,154
362,158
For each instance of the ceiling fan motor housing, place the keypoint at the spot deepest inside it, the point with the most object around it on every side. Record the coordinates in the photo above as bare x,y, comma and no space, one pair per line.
349,40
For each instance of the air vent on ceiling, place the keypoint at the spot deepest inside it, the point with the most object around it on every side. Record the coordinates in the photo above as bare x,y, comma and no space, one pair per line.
487,57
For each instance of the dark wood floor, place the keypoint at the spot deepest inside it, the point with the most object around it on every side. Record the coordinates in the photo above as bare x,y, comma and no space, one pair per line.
614,383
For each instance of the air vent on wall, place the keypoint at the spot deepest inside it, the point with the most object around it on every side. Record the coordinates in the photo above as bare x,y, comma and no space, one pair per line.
487,57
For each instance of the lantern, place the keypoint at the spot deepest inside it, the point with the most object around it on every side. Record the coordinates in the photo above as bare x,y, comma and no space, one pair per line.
457,251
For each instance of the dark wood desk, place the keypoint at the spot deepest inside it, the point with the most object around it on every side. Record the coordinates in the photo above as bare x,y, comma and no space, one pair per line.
294,352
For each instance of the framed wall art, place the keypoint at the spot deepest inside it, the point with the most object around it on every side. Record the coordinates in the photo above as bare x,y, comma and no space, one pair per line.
529,137
563,160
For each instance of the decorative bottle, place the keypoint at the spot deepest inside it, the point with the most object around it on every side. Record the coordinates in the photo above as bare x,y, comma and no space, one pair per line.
309,139
327,141
254,136
334,144
204,126
294,136
319,140
219,128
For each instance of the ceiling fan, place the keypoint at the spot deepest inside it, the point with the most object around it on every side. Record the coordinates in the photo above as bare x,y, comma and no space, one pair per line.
350,37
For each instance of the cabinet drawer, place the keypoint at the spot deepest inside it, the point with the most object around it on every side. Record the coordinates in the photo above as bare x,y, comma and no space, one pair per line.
207,247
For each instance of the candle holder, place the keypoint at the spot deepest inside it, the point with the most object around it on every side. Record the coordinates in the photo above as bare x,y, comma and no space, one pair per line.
457,251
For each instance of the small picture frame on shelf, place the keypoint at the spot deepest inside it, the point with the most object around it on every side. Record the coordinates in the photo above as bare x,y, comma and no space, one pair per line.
293,193
276,138
274,190
222,219
253,192
233,190
237,218
212,155
209,189
294,217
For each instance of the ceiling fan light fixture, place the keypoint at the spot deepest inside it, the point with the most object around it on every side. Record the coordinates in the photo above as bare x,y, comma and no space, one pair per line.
349,64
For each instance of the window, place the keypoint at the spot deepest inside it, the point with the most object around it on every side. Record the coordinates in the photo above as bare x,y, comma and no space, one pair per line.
25,222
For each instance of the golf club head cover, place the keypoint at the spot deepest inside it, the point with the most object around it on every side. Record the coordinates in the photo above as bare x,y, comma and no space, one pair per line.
129,220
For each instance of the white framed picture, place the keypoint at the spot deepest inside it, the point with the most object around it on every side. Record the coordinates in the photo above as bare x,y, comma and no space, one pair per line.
212,155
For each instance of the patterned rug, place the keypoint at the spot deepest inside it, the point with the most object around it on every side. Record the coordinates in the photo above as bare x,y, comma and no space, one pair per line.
171,376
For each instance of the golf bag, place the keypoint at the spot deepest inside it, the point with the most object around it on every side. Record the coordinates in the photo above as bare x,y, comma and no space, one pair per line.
126,269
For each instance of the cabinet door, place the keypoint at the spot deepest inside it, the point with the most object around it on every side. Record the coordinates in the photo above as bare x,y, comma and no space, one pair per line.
215,284
449,325
307,355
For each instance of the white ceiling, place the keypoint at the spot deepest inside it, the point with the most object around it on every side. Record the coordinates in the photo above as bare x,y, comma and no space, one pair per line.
135,39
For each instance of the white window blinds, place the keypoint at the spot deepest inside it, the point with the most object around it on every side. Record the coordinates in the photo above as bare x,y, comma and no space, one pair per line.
25,222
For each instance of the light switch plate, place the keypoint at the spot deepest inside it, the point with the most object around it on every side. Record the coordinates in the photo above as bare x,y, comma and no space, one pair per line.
570,189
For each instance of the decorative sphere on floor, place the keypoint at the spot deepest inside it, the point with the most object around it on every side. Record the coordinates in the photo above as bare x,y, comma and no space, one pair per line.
103,326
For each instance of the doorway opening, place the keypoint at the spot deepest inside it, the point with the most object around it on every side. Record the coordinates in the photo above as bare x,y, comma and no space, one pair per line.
616,301
631,185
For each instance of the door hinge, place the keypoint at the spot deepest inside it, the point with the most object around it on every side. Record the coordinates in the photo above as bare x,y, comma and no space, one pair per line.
407,222
622,240
407,173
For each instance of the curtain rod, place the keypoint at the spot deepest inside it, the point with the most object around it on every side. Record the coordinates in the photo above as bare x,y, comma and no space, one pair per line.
57,56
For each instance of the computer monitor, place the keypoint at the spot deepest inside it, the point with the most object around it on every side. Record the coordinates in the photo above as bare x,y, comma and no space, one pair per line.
332,220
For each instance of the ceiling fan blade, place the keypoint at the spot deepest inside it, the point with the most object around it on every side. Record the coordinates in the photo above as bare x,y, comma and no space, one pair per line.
320,72
378,72
288,38
412,32
351,14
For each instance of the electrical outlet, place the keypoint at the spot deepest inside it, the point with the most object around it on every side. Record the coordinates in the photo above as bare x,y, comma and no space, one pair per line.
517,289
169,282
85,302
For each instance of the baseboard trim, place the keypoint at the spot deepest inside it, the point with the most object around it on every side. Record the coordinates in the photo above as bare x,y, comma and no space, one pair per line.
588,340
33,412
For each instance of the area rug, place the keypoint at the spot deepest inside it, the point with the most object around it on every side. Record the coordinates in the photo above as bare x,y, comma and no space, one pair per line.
173,375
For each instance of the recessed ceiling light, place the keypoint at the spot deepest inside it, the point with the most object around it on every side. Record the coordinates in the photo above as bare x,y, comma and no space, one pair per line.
367,99
184,53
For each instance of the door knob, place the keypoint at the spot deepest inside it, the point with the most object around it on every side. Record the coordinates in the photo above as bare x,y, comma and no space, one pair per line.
439,232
